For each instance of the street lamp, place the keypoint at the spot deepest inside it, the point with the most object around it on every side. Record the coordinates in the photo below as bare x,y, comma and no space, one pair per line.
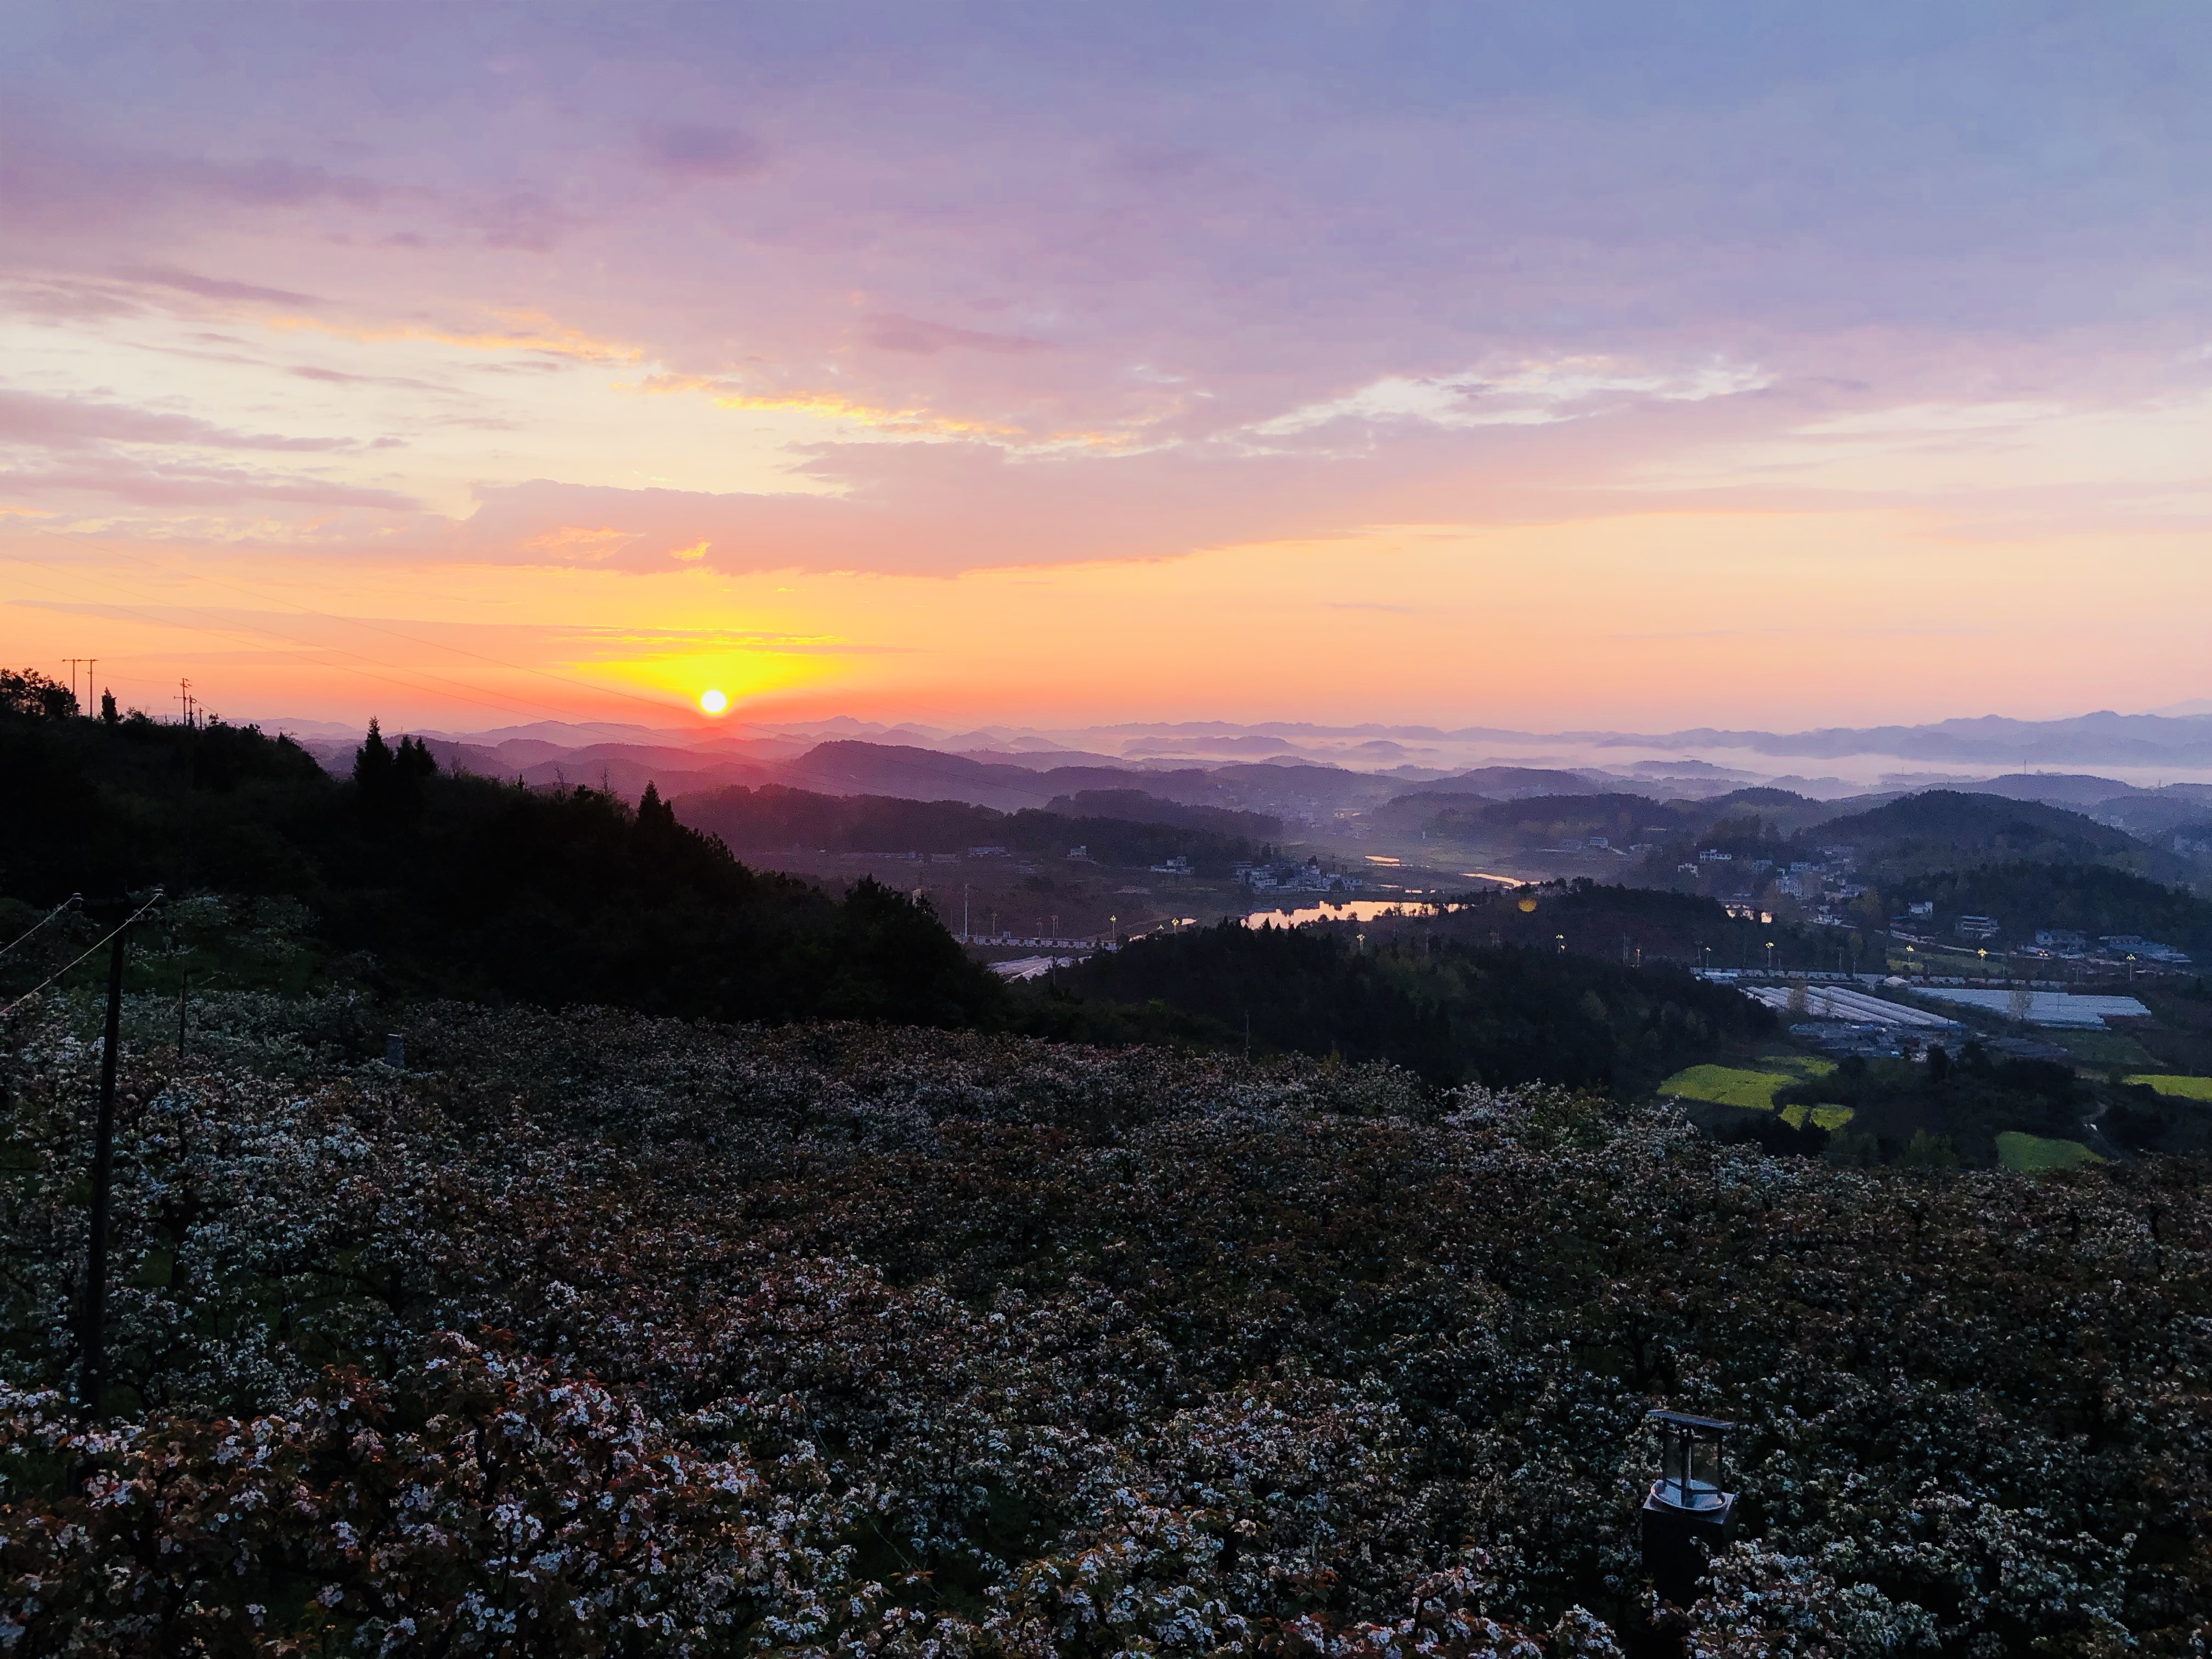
1686,1515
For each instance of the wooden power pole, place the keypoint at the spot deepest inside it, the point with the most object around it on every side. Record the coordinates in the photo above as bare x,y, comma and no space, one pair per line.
93,1377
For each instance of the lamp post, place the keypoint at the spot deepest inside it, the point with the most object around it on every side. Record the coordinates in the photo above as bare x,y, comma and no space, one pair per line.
1685,1515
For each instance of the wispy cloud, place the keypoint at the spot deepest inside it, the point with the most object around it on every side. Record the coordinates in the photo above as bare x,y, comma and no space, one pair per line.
29,420
1525,394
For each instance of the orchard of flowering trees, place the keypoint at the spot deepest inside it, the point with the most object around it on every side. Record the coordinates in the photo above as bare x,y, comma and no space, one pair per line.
592,1334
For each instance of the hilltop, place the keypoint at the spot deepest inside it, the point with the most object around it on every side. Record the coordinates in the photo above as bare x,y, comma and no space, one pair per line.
419,881
1942,827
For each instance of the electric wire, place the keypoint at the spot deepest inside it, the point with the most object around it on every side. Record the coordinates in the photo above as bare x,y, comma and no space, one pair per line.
243,636
297,609
69,903
96,944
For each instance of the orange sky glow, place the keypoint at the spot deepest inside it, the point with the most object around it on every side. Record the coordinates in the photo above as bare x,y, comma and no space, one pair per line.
567,378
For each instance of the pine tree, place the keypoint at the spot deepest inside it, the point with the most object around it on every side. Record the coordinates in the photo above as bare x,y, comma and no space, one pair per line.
414,762
372,762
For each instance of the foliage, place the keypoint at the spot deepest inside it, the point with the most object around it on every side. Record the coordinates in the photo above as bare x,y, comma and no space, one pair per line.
773,816
1449,1010
1141,808
1536,819
1966,1103
30,695
1614,922
1940,829
2092,899
597,1333
413,881
476,1503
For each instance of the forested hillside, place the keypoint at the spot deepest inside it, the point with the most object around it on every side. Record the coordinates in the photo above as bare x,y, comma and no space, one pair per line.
416,881
1133,830
2092,899
1944,828
1452,1011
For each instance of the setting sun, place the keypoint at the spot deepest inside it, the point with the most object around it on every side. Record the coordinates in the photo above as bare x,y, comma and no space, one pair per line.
713,701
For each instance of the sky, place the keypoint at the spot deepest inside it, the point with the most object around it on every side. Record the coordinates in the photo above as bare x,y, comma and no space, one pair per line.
1554,366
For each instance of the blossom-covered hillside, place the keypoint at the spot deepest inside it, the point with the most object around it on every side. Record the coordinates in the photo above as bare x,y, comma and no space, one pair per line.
592,1333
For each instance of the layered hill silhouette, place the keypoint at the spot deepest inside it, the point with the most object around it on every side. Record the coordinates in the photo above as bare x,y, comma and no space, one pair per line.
420,881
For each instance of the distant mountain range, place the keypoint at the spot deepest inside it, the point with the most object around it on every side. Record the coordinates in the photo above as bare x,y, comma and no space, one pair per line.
1831,761
1304,794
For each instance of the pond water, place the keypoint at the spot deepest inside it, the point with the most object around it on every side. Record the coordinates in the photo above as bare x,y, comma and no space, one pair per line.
1344,910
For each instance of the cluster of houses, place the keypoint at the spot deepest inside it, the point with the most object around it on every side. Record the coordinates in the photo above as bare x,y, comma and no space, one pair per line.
2064,944
2070,943
1284,876
1826,878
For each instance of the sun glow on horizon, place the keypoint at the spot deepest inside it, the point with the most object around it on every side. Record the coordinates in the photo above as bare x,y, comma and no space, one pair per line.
713,701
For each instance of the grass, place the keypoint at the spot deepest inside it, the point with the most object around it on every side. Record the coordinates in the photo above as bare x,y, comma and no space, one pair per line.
2016,1150
1732,1085
2104,1048
2181,1088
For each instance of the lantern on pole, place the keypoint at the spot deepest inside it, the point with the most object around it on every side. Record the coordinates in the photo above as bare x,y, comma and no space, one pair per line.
1687,1515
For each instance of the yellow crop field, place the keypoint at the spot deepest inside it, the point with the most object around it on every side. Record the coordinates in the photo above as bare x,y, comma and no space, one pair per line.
2181,1088
1736,1085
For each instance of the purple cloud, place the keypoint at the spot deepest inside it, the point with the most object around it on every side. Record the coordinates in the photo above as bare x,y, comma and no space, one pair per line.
1167,279
891,332
213,288
703,152
29,419
200,489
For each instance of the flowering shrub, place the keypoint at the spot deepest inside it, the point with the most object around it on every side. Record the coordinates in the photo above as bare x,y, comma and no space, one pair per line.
598,1334
476,1505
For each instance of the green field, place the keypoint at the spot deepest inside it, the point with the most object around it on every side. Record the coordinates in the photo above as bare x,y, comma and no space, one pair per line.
2016,1150
2106,1048
2181,1088
1731,1086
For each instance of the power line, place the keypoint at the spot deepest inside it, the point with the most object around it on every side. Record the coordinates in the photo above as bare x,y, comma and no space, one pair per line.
69,904
242,635
354,622
58,972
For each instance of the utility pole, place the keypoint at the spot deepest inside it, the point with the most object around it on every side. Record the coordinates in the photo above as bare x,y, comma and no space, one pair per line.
184,989
92,1377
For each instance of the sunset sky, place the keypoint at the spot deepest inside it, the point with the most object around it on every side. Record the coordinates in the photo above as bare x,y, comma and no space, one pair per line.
1538,365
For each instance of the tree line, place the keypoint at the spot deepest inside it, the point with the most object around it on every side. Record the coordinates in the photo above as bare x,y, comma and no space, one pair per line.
773,817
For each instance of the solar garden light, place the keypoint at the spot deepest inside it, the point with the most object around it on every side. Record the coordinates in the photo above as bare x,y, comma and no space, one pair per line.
1687,1517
